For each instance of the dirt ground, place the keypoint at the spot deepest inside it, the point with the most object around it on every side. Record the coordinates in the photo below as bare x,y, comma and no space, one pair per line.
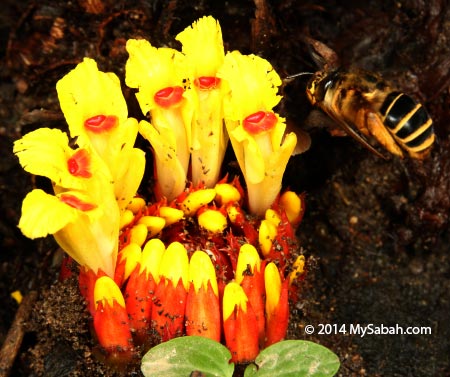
377,231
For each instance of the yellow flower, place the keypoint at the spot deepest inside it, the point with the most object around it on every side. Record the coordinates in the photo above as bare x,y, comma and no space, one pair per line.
204,54
84,215
256,132
86,231
97,115
155,72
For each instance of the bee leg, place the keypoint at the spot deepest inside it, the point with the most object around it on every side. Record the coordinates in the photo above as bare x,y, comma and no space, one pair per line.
379,131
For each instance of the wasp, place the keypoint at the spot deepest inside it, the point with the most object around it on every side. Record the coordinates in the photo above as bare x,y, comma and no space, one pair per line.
365,106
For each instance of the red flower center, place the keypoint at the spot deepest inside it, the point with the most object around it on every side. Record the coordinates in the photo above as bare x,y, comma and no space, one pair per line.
207,82
78,164
101,123
259,122
169,96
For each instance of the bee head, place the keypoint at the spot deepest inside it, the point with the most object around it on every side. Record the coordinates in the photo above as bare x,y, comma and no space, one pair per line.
318,86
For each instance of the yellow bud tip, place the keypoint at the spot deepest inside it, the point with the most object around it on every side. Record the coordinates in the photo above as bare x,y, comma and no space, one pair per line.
272,282
175,264
292,204
171,215
273,217
136,205
17,295
154,224
126,218
131,254
201,270
248,262
226,193
138,234
197,199
151,258
266,235
213,220
233,297
106,290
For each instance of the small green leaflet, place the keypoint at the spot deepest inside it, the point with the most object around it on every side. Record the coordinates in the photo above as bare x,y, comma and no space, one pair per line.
294,358
181,356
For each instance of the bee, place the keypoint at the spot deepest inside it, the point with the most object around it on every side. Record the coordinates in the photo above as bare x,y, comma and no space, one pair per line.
366,106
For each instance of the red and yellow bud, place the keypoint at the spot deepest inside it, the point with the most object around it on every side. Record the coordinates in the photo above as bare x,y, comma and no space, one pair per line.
111,318
127,260
141,286
249,274
86,284
202,303
239,324
170,295
277,305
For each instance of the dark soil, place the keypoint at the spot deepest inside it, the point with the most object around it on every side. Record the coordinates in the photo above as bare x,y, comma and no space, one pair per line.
377,231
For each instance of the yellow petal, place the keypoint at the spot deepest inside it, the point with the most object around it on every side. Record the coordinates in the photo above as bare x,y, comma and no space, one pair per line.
253,85
44,214
86,92
46,152
203,47
171,172
151,69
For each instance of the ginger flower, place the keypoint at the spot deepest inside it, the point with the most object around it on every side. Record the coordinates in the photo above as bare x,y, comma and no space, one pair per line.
256,132
83,216
97,115
155,72
204,54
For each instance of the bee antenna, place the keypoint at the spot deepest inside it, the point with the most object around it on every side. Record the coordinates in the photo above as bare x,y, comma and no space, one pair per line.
298,74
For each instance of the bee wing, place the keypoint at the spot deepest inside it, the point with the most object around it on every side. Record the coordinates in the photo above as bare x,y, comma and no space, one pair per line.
353,133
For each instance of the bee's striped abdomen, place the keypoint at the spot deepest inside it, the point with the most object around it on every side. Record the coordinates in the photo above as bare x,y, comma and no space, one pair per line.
408,121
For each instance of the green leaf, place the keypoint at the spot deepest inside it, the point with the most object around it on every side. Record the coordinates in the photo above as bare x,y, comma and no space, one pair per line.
294,358
180,357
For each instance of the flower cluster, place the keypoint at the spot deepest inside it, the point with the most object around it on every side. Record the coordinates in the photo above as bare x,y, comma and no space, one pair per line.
192,261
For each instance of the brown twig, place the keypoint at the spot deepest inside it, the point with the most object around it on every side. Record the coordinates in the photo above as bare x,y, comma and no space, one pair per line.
14,338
